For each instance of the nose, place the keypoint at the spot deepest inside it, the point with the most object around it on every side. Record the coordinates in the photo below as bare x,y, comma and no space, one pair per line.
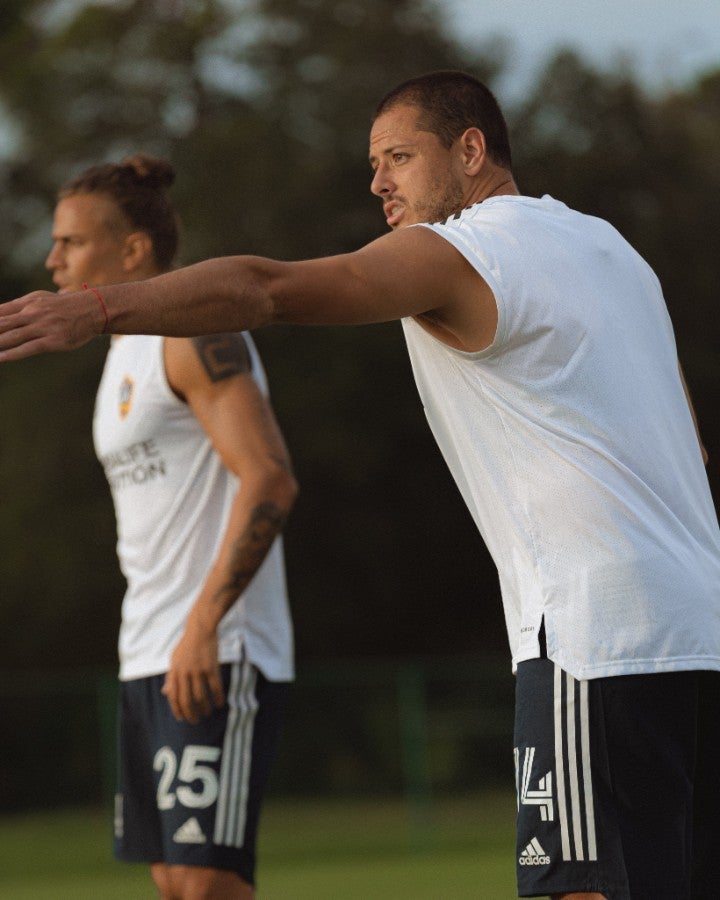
54,260
381,183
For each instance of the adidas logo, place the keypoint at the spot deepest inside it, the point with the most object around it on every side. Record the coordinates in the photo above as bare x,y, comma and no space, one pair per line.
534,855
190,833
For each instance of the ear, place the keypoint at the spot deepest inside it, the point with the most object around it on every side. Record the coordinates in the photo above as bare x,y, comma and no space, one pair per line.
472,147
137,251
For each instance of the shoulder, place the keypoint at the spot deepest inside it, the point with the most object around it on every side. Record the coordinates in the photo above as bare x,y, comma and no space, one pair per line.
222,355
205,360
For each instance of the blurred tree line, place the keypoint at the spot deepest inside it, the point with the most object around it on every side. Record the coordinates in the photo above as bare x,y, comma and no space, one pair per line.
264,109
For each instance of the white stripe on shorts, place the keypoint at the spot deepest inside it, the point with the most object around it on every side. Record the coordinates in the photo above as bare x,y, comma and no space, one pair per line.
572,767
237,757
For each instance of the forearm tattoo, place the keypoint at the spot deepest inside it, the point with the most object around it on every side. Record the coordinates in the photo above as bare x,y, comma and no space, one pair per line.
223,355
250,549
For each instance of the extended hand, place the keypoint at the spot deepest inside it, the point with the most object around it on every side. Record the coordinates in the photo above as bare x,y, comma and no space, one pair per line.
44,322
193,685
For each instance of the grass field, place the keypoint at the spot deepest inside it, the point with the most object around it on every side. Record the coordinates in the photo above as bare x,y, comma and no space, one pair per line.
345,850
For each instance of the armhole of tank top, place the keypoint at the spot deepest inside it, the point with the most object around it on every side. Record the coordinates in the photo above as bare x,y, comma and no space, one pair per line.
257,369
159,363
456,240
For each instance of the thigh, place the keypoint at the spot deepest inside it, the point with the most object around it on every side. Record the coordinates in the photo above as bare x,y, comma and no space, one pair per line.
137,825
617,764
651,738
567,832
208,779
706,819
255,714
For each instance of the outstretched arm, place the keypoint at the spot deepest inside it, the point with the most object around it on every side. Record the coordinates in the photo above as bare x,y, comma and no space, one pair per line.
408,272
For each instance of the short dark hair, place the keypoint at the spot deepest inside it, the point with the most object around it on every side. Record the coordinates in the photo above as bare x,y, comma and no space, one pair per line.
138,185
450,102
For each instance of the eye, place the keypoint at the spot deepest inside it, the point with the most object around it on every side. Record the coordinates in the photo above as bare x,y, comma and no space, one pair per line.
399,158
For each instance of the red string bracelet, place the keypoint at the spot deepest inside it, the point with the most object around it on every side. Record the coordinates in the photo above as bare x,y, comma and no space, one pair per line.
102,303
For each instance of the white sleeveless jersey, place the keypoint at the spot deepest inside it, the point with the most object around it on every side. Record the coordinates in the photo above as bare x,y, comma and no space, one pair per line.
172,499
572,443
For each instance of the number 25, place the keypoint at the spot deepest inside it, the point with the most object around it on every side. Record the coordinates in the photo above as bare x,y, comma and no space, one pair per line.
192,769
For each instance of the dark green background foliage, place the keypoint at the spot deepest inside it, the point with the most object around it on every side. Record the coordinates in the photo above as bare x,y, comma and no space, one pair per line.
264,109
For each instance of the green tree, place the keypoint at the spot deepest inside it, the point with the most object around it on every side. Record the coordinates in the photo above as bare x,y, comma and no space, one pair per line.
264,109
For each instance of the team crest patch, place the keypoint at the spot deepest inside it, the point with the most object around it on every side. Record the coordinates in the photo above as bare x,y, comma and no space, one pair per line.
127,386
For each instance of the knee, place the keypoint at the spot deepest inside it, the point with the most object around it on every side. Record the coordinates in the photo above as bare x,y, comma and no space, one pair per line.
198,883
579,896
163,879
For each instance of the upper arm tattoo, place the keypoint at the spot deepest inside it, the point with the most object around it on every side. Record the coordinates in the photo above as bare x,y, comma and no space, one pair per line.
223,355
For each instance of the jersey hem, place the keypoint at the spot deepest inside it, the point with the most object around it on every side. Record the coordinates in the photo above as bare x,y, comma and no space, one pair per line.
628,666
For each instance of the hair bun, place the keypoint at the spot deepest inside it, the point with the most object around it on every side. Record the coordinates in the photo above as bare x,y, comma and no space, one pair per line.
151,171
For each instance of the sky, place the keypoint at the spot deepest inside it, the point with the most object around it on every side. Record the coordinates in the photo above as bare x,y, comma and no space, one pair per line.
669,42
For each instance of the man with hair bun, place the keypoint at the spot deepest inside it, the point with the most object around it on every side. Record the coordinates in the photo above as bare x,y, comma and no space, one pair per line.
202,486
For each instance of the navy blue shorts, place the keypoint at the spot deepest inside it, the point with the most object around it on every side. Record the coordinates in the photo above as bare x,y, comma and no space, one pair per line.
617,783
191,794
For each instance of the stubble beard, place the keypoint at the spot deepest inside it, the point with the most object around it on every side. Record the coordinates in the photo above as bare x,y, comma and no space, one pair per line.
446,199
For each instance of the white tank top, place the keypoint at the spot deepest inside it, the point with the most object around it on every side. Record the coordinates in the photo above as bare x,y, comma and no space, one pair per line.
571,441
172,498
